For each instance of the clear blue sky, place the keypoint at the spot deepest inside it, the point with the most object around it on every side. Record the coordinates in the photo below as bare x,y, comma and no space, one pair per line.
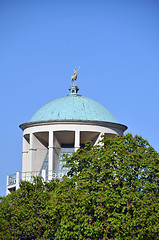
116,43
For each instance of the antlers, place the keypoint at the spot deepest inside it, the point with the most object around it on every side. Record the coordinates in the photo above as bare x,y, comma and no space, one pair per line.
75,71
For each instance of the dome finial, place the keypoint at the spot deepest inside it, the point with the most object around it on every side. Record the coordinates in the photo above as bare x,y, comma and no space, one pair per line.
74,77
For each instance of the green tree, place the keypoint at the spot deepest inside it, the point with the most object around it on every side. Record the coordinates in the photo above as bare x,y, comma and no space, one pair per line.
111,192
22,212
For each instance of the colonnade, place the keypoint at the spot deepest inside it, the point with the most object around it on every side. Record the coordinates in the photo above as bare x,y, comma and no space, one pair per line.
44,140
35,150
40,139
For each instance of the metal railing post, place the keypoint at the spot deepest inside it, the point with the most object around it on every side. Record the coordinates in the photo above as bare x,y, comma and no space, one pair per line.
7,191
17,179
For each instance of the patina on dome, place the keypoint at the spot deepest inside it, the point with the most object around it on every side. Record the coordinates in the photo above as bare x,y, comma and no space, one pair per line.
73,107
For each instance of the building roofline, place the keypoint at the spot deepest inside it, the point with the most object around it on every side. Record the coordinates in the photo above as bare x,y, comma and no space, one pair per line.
123,127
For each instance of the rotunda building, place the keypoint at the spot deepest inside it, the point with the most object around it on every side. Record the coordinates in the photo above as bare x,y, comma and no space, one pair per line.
62,126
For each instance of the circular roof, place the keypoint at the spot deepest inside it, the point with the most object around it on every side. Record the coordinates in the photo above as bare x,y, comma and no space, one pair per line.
73,107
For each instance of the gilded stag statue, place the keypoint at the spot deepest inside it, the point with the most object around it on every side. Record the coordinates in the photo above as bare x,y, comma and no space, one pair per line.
74,77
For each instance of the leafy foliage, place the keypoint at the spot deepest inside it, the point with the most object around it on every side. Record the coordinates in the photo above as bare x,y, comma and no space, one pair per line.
22,212
111,192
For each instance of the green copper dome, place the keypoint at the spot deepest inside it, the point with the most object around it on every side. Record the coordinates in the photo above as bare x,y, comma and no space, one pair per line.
73,107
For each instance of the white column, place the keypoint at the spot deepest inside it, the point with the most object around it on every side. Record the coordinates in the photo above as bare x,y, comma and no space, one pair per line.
99,138
17,179
77,140
25,155
51,154
44,174
32,152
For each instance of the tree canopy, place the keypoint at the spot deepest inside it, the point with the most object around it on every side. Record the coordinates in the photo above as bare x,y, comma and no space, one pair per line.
110,192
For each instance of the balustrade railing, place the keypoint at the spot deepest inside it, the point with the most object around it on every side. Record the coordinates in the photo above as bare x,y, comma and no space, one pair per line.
12,179
55,175
29,176
15,179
